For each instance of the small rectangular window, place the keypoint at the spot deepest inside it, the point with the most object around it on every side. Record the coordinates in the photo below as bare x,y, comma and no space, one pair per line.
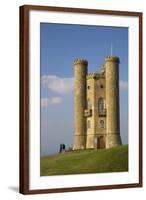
89,105
88,124
101,124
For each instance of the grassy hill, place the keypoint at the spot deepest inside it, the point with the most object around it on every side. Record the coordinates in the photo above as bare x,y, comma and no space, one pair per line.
86,161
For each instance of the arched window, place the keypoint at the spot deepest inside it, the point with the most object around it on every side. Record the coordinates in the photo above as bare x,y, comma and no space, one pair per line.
88,124
101,104
101,124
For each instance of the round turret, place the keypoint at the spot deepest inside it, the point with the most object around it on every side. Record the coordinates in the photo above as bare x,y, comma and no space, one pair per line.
112,101
80,72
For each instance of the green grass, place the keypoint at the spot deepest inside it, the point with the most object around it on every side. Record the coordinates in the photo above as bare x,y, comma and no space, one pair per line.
86,161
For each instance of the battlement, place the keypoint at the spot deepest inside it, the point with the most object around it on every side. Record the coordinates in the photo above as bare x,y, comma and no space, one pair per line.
112,59
80,61
94,75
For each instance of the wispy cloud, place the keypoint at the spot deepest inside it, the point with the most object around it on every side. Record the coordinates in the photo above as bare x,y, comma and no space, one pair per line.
65,85
123,85
45,102
57,84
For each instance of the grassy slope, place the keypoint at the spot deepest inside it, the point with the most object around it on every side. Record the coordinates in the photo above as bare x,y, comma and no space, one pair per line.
86,161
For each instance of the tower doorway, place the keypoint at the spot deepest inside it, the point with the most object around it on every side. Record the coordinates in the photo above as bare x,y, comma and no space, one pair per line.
101,142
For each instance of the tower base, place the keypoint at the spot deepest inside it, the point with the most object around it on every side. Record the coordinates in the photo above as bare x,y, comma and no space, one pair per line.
90,141
80,142
113,140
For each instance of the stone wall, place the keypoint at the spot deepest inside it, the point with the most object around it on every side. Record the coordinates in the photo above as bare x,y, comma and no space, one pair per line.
95,90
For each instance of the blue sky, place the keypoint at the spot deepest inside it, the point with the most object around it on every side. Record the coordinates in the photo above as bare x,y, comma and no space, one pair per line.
60,45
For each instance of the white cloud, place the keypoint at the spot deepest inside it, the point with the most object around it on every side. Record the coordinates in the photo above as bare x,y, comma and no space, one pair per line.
123,85
56,100
65,85
57,84
50,101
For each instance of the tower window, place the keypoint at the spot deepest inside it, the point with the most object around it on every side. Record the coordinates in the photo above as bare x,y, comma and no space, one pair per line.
101,104
101,86
101,124
88,104
88,124
88,87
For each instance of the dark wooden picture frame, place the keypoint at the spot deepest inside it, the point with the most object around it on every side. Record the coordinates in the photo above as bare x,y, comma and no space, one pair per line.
24,98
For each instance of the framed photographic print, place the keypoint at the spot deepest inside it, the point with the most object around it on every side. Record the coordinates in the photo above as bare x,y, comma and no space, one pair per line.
80,99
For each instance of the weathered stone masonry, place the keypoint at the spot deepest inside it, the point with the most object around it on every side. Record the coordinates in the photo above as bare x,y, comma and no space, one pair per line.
96,102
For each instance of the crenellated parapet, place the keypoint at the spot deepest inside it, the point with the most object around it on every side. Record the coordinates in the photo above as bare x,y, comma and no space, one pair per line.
80,61
112,59
94,75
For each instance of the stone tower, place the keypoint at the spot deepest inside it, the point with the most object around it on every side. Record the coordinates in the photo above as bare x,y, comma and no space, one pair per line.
96,104
112,101
80,72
